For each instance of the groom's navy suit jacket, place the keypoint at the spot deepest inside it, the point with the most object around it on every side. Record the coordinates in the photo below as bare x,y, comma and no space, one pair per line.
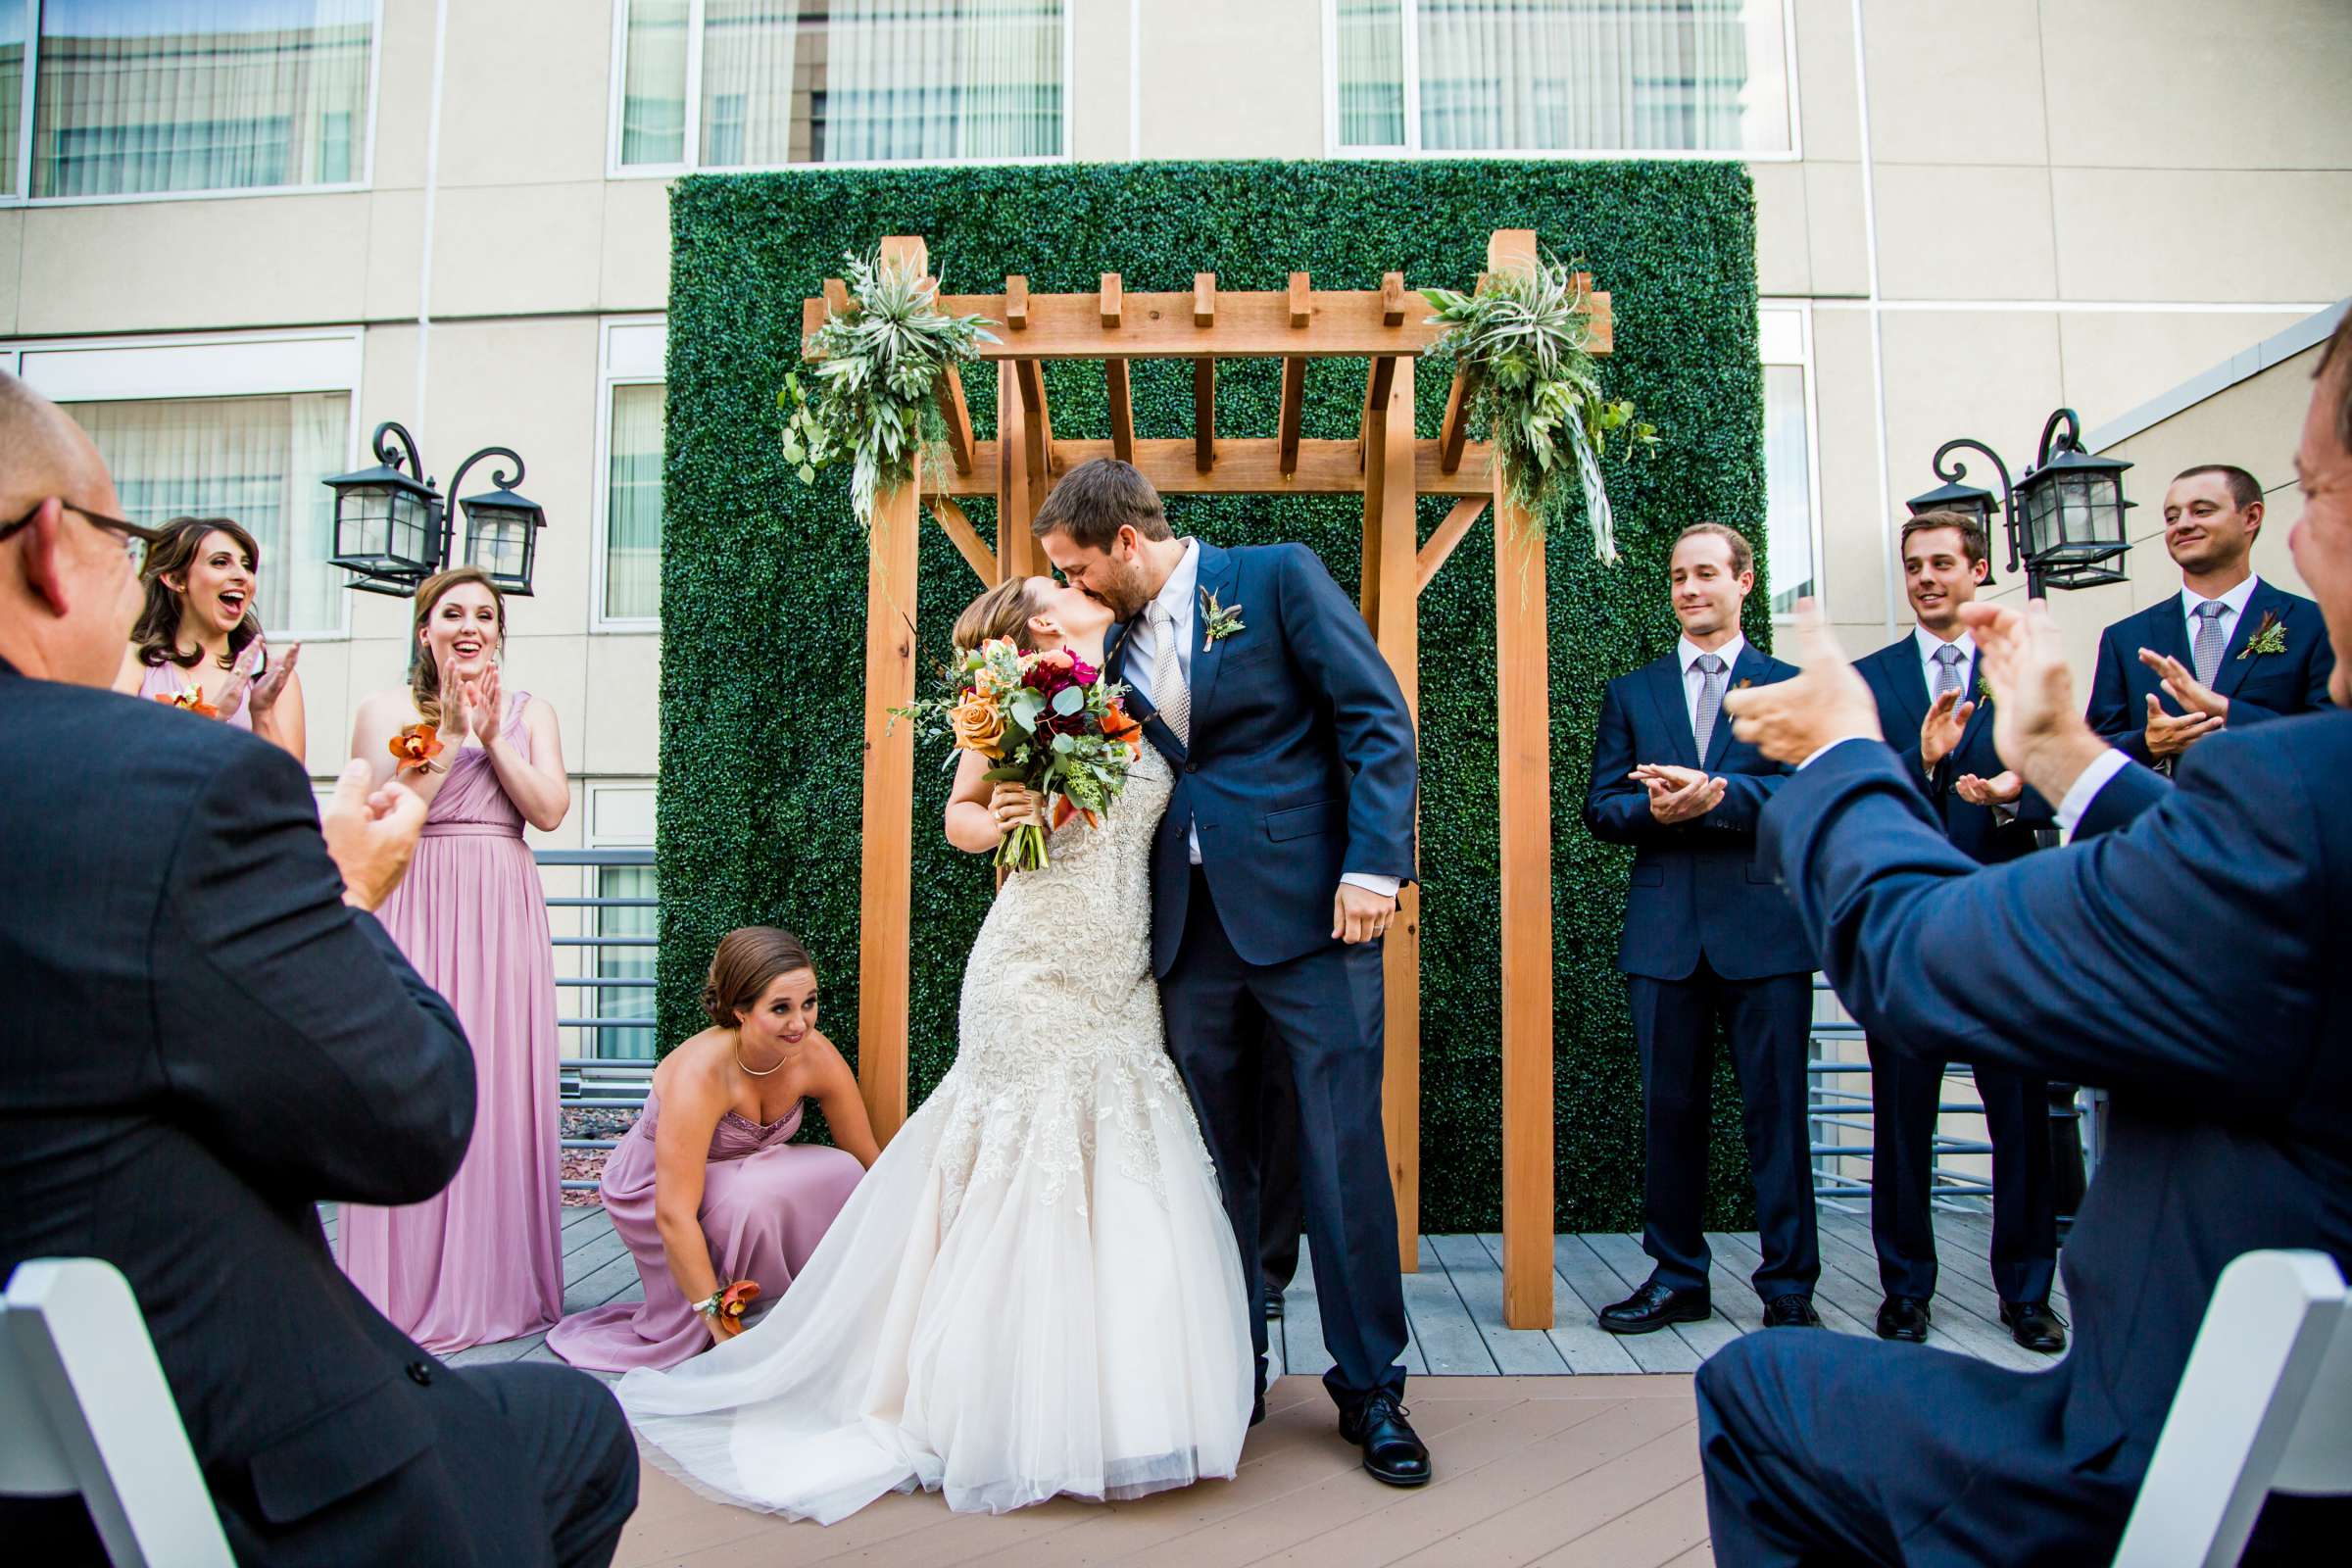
1697,887
2261,687
1900,686
2228,1056
1300,767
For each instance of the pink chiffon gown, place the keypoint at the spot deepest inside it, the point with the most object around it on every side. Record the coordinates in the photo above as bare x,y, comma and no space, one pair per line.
767,1202
167,680
482,1261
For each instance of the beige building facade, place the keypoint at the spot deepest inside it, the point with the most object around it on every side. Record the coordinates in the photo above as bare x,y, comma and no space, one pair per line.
453,214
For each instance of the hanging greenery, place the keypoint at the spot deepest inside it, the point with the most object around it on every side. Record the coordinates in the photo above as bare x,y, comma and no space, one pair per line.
878,368
1535,388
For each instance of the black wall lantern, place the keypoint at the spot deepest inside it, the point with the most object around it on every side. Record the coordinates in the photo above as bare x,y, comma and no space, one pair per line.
2065,517
393,530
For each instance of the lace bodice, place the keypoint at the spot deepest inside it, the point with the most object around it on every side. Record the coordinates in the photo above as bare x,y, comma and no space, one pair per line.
1059,1022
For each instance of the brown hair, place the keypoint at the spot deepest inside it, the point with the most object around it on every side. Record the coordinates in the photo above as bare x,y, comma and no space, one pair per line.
424,675
747,960
157,631
2244,489
1098,498
1744,554
2337,356
1002,612
1971,532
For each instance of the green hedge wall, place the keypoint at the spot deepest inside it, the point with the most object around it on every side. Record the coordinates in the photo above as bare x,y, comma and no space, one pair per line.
763,579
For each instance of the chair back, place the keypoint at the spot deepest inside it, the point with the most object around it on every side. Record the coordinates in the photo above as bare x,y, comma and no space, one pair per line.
2264,1405
84,1408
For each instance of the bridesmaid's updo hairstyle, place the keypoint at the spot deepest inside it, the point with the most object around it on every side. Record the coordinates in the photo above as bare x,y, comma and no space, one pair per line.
425,674
748,959
1002,612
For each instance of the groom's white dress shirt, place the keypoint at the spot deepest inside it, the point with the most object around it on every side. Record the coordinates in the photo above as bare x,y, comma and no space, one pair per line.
1178,596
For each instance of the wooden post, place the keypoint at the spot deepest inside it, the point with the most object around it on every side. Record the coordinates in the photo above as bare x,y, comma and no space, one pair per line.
886,851
1523,735
1391,594
1016,504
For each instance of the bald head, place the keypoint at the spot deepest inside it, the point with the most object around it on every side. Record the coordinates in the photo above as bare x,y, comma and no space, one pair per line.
67,590
42,451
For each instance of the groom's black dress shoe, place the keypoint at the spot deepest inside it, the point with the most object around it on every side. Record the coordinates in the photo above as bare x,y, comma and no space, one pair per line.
1392,1451
1904,1318
2035,1326
1790,1312
1653,1306
1273,1304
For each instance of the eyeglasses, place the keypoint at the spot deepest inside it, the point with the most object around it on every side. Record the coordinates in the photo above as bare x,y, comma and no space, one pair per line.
135,539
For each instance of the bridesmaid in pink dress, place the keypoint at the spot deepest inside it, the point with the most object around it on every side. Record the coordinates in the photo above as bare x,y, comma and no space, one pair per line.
198,642
480,1262
712,1190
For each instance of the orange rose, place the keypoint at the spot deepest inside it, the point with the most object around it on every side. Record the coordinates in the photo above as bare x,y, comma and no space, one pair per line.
1120,725
979,724
415,747
192,700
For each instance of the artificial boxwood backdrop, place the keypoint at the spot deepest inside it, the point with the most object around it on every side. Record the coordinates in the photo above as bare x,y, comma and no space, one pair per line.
764,578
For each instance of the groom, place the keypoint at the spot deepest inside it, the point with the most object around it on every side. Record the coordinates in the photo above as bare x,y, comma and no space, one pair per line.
1274,877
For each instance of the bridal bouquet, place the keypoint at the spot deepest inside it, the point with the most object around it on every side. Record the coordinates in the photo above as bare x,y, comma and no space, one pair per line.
1049,721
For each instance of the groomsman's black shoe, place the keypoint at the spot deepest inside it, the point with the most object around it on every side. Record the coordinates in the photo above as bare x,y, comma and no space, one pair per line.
1791,1312
1258,1409
2035,1326
1392,1451
1904,1318
1273,1304
1653,1306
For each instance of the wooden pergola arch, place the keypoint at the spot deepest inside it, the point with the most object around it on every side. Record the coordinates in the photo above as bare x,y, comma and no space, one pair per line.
1390,466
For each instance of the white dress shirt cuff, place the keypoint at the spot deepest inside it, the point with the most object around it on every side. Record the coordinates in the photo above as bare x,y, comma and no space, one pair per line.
2085,789
1380,887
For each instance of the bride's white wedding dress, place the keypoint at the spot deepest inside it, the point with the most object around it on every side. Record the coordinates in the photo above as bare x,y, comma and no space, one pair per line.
1035,1290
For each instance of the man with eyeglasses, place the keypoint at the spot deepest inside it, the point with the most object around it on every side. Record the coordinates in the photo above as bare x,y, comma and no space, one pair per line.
208,1033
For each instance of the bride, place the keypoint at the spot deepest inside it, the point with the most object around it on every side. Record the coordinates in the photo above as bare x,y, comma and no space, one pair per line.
1035,1290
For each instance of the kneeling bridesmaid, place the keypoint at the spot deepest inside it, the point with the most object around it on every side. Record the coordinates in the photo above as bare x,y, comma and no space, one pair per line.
707,1189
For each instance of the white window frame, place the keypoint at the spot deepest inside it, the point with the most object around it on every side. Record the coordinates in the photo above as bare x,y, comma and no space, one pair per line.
196,365
23,196
615,169
631,351
1784,336
632,784
1411,11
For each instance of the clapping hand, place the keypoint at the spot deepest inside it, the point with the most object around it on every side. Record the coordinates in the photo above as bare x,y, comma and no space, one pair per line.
484,705
2037,724
240,676
2168,736
1678,793
455,704
2002,788
371,835
1940,731
2192,694
273,684
1824,703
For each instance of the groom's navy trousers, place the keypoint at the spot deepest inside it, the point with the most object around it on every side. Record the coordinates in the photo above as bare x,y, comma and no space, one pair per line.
1299,769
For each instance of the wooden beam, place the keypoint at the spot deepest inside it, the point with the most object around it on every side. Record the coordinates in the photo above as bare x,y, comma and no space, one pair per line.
1523,794
1377,383
1038,427
1294,410
1204,413
1007,458
1600,323
1450,535
1244,465
976,554
1110,301
1012,307
1205,299
1457,428
959,418
1392,299
836,301
1122,409
1391,607
1302,309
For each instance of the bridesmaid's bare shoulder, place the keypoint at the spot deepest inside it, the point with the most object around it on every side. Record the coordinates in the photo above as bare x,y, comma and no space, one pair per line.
826,1064
695,1069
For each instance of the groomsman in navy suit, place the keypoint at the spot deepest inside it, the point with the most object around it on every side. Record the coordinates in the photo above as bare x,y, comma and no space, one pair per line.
2230,649
1929,701
1709,939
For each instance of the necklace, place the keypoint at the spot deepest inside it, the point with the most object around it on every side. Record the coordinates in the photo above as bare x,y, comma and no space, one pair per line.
761,1072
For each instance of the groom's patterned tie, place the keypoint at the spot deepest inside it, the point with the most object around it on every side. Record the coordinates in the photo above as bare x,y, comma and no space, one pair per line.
1947,670
2207,653
1169,690
1710,702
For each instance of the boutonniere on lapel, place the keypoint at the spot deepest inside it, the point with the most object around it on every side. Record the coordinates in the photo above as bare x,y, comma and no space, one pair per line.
1743,683
1219,622
1983,691
2269,638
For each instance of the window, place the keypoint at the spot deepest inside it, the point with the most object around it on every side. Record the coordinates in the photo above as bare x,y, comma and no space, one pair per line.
628,570
1792,533
233,426
620,830
176,96
1600,77
769,83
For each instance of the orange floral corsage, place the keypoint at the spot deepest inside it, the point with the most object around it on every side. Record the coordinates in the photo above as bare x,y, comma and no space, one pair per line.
415,747
192,700
725,1307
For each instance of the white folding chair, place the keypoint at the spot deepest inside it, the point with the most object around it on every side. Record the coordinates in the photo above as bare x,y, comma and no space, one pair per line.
2265,1406
83,1408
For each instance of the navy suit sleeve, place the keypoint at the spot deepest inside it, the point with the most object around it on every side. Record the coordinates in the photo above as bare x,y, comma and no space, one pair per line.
1744,797
2063,964
2121,799
2110,711
1332,645
294,1035
1617,808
